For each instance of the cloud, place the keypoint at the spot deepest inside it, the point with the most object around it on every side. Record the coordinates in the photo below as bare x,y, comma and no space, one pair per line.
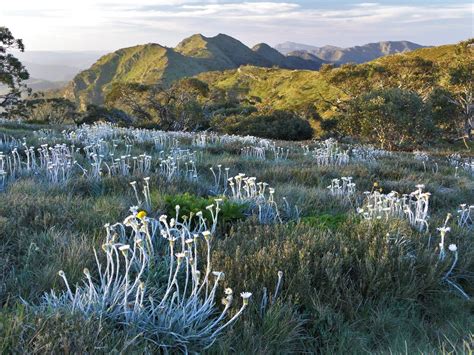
50,22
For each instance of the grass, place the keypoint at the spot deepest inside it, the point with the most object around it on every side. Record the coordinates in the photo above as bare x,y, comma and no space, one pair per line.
348,286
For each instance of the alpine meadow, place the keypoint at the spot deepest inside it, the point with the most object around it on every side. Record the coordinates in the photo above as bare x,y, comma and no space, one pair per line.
212,195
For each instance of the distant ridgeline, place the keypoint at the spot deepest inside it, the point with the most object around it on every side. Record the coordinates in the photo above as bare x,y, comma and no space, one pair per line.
153,63
357,54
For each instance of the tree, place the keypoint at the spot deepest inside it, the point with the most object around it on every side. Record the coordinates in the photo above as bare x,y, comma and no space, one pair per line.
389,117
132,98
12,76
179,107
458,79
96,113
353,79
55,110
445,114
412,73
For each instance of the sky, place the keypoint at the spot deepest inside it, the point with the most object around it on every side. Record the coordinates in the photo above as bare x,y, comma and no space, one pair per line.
112,24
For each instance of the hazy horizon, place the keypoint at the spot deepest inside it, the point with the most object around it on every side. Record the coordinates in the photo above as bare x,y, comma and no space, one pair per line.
107,25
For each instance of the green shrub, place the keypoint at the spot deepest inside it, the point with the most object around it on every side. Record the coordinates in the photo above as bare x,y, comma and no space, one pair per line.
325,221
189,203
388,117
278,124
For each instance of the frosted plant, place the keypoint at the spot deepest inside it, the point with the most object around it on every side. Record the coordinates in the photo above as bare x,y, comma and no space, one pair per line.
306,150
443,231
182,313
179,163
416,208
3,172
328,152
221,178
421,156
7,143
454,249
253,152
459,163
90,134
413,207
258,198
280,153
247,190
266,299
367,153
343,187
465,216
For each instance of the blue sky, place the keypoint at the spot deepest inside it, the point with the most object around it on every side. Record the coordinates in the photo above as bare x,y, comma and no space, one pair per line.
112,24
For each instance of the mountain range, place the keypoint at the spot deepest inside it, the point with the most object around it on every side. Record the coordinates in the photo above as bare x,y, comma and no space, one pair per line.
153,63
357,54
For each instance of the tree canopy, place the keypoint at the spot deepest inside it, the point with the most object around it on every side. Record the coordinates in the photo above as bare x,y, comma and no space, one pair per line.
12,75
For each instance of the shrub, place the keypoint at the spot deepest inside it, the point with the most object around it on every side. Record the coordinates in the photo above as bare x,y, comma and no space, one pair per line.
229,211
275,125
325,221
389,117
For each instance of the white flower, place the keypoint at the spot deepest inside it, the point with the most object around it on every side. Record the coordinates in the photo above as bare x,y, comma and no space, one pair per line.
129,221
444,230
453,247
228,291
124,249
245,296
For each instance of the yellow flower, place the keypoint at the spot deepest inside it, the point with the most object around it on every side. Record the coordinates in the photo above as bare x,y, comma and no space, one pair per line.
376,184
141,214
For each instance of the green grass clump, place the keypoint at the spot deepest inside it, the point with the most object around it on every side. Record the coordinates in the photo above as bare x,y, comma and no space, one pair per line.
325,221
191,204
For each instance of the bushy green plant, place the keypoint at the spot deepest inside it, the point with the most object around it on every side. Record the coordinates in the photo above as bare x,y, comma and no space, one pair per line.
388,117
189,203
278,124
329,221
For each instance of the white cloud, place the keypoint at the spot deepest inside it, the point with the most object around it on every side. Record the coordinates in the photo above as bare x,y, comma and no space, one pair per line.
115,23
